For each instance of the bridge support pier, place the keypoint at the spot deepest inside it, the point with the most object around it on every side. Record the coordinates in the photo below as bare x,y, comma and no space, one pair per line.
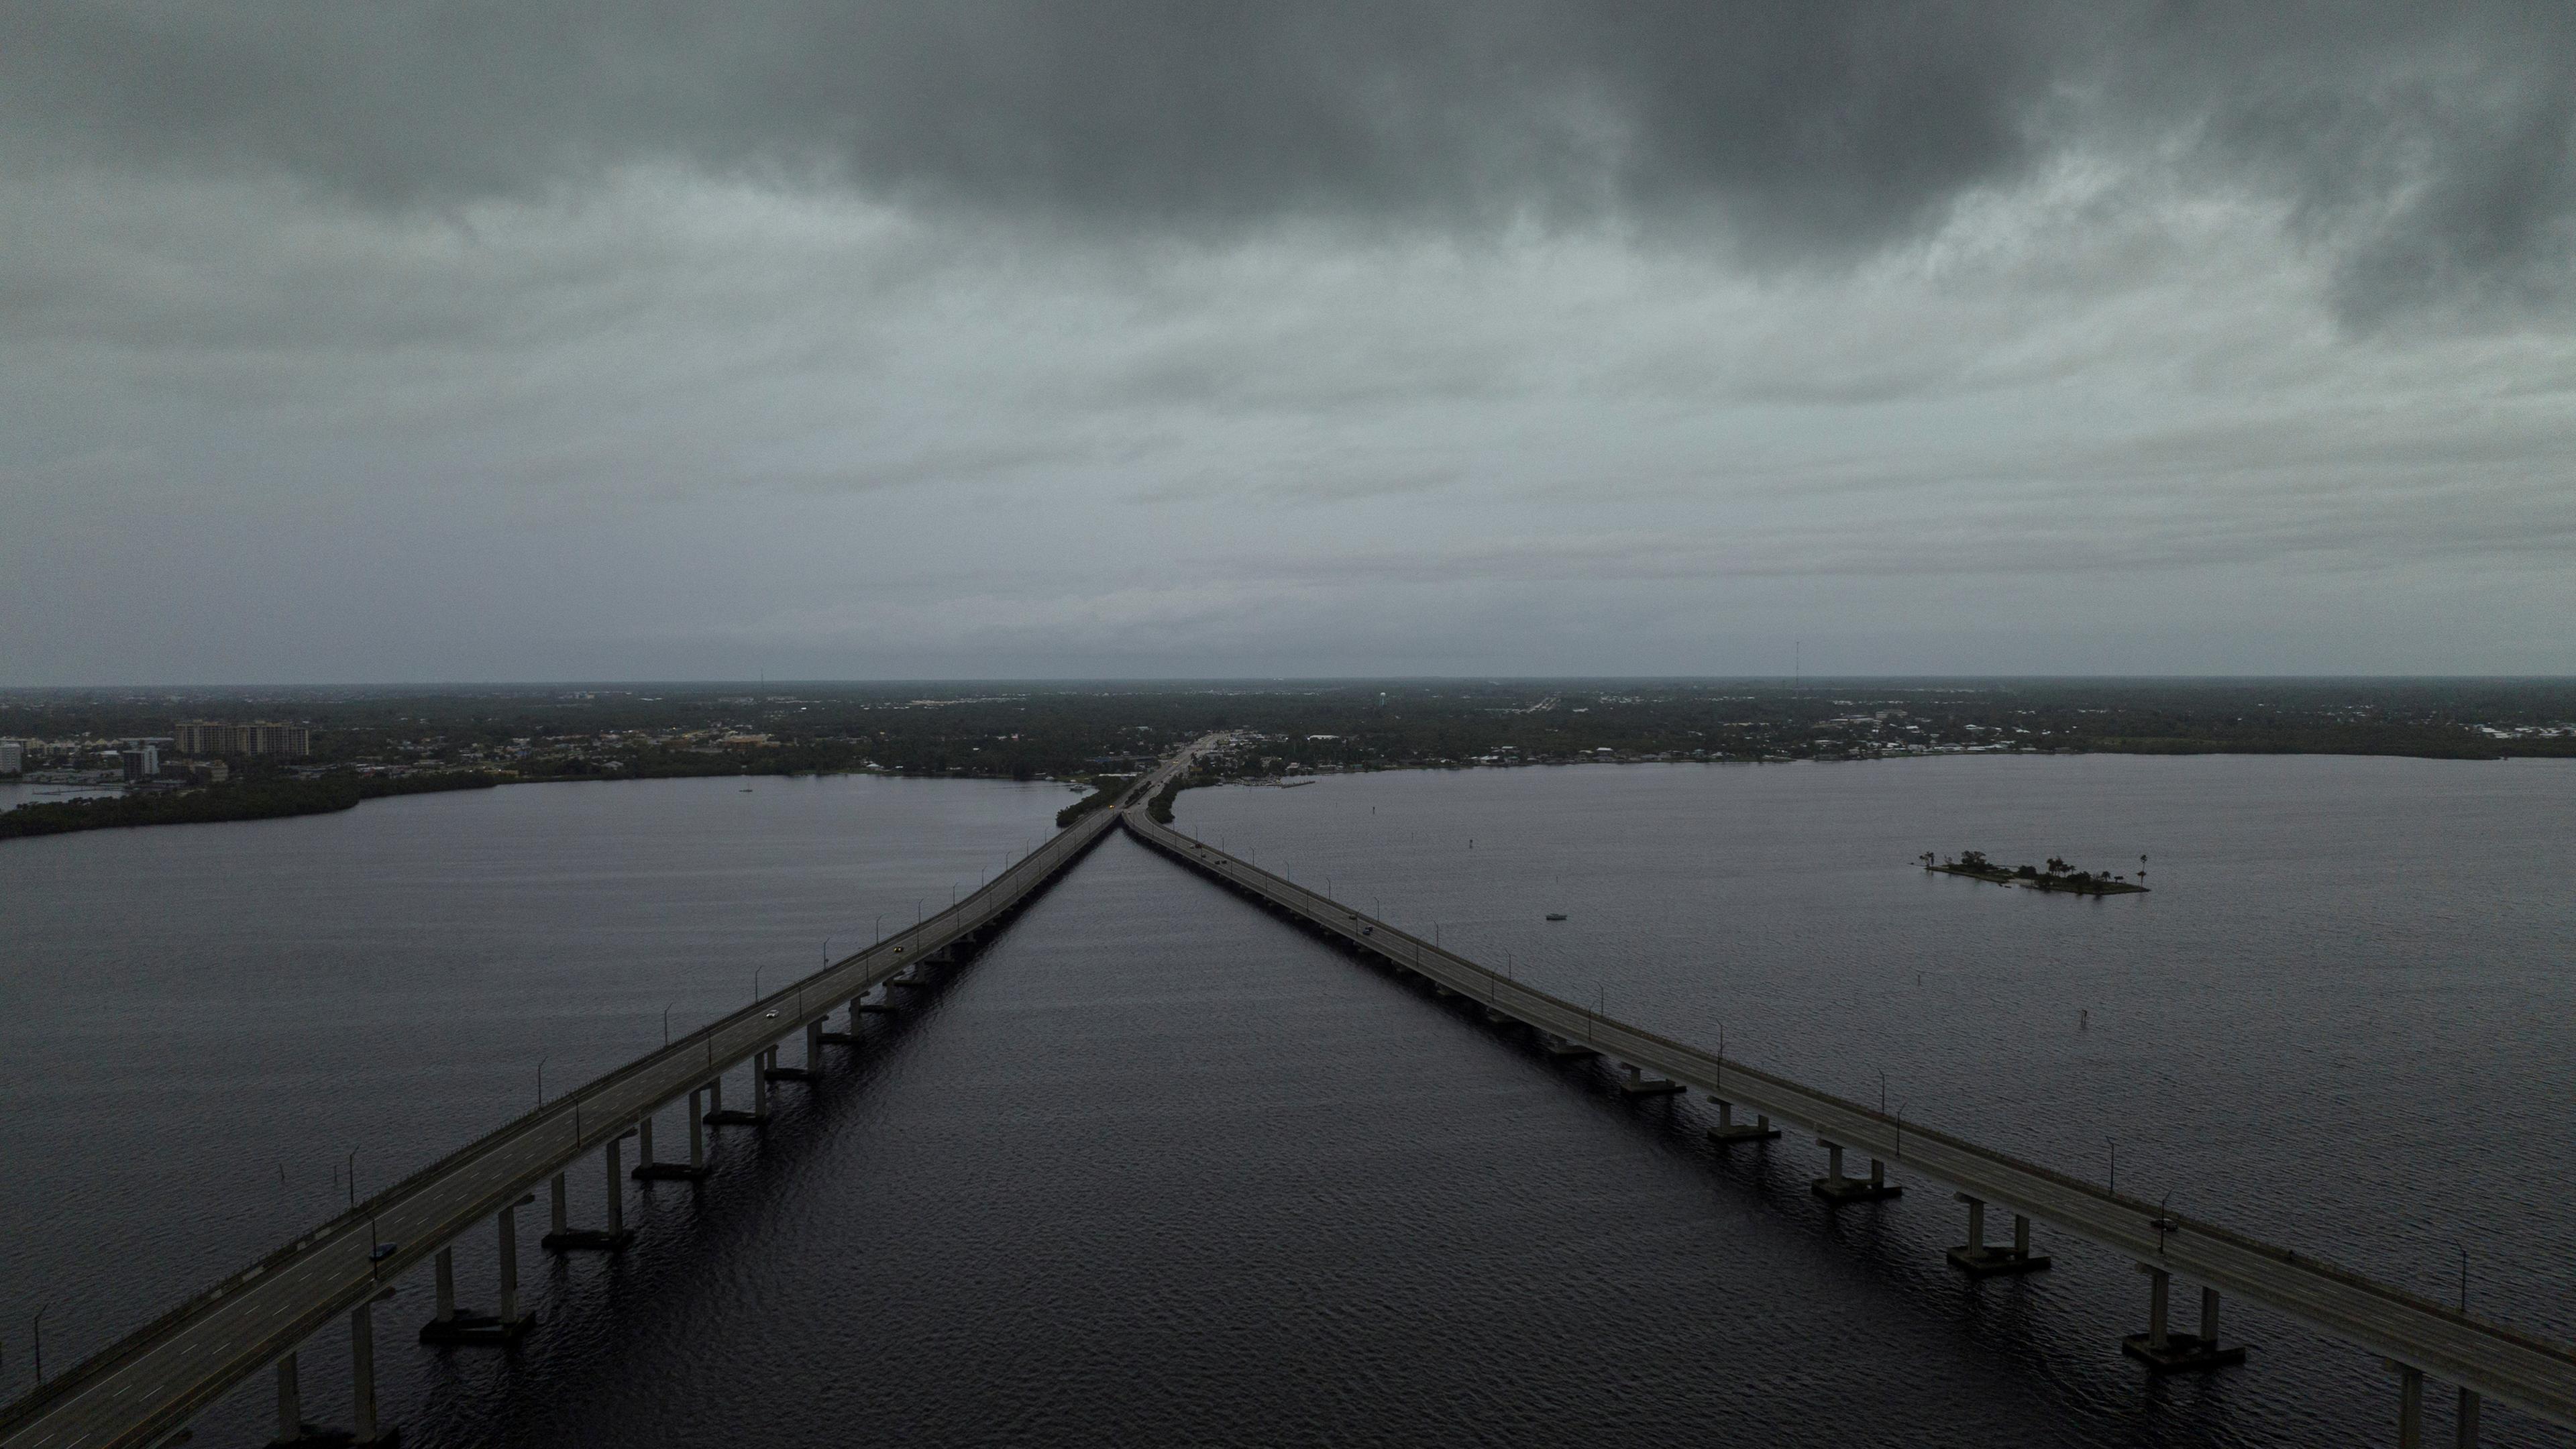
647,1170
1728,1131
812,1071
455,1325
2410,1406
717,1116
362,1377
2164,1351
513,1322
1562,1046
1837,1189
1636,1084
850,1037
290,1405
1977,1260
616,1235
2466,1434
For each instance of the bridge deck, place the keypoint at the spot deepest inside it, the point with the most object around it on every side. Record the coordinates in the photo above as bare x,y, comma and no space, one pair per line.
2489,1358
151,1382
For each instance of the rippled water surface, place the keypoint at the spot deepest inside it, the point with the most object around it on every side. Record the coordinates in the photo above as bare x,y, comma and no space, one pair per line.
1157,1169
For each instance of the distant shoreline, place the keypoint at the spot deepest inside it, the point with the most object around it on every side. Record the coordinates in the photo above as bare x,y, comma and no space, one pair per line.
221,804
287,799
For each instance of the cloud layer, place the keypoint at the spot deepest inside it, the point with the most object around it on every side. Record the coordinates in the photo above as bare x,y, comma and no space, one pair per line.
431,341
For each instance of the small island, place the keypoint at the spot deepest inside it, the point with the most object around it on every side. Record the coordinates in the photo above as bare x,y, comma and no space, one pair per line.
2057,875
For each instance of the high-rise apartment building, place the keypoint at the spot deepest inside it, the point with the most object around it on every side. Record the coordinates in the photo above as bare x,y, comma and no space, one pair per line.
13,757
260,737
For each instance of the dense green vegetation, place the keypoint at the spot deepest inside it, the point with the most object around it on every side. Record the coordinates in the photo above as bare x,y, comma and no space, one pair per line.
1105,791
249,800
1029,731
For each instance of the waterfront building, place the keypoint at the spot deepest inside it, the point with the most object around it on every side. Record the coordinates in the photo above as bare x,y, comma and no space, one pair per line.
260,737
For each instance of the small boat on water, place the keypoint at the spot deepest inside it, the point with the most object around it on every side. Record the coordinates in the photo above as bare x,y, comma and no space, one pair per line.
1556,915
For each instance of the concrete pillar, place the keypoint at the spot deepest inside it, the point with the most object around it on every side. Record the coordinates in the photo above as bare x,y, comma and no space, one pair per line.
2209,1317
290,1402
2410,1407
1976,1222
2467,1436
2161,1289
1877,1173
563,1223
715,1093
510,1264
362,1371
616,1185
447,1285
697,1135
644,1141
2021,1236
814,1046
1834,1162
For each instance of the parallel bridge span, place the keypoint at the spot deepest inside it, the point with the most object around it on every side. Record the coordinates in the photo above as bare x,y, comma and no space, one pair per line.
145,1387
2416,1335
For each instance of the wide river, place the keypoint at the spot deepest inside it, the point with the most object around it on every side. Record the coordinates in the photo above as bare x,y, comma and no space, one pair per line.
1157,1169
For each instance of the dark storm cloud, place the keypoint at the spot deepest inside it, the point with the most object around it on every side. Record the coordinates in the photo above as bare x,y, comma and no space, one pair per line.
2427,147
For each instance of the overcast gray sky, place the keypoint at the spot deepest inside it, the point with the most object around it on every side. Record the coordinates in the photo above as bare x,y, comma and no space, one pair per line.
384,342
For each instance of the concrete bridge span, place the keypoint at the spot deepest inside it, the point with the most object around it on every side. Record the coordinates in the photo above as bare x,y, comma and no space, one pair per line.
144,1388
2415,1336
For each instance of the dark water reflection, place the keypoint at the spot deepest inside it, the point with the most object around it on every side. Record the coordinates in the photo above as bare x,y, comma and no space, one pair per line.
1158,1170
198,1023
2342,1018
